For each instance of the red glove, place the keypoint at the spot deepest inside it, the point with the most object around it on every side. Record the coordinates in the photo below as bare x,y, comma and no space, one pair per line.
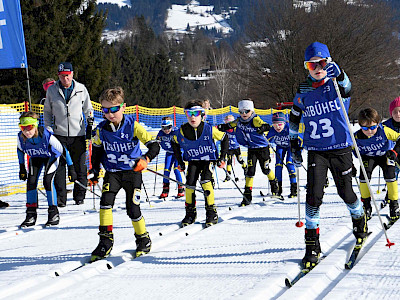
141,163
221,164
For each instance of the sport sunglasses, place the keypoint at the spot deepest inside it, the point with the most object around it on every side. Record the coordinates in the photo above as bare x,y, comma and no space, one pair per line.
193,113
112,109
370,127
166,127
26,127
244,111
312,64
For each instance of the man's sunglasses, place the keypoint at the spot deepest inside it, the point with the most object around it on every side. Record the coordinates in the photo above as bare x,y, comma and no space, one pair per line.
26,127
311,65
370,127
244,111
193,113
112,109
166,127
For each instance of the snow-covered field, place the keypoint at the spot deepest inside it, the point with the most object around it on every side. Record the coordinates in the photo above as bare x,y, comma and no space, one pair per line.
247,255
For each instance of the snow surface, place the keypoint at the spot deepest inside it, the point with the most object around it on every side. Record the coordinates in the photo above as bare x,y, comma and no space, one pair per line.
247,255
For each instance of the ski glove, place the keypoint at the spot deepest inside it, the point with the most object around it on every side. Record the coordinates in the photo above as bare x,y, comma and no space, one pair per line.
263,128
72,176
221,163
296,153
93,176
141,163
181,167
23,175
332,70
391,156
223,127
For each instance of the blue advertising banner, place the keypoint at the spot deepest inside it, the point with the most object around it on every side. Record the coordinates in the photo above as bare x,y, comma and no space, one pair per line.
12,41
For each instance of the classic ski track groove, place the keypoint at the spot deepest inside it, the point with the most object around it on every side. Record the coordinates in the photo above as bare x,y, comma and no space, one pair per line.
72,272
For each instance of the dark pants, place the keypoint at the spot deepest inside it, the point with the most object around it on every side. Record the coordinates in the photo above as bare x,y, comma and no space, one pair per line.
339,162
77,149
261,155
198,168
131,182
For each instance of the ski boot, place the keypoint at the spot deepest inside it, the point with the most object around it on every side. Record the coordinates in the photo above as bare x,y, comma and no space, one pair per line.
165,191
293,190
143,244
30,219
227,178
394,210
313,249
105,245
279,193
4,204
54,216
247,196
367,207
274,187
211,215
191,214
181,191
360,229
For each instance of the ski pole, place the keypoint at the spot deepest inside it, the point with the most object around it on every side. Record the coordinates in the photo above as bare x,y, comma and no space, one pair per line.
42,192
86,188
389,243
147,196
233,171
178,182
299,223
216,176
155,177
234,182
379,181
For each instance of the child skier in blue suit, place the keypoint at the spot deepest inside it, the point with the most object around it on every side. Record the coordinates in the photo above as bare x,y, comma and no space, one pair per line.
164,136
44,150
279,135
328,141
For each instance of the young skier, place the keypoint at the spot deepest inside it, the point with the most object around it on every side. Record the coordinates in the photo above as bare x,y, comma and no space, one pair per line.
116,145
234,149
394,123
279,134
377,148
44,150
196,138
250,130
328,141
164,136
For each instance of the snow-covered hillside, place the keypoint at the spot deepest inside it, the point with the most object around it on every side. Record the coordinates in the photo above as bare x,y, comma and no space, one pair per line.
120,3
195,15
247,255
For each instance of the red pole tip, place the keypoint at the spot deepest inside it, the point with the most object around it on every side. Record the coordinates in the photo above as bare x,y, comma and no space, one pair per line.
299,224
389,243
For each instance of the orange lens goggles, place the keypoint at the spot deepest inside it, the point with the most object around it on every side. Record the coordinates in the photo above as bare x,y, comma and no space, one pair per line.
26,127
312,64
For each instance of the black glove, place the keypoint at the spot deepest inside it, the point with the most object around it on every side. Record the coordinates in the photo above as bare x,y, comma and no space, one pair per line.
353,171
72,176
89,128
296,153
391,154
223,127
263,128
23,175
93,176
